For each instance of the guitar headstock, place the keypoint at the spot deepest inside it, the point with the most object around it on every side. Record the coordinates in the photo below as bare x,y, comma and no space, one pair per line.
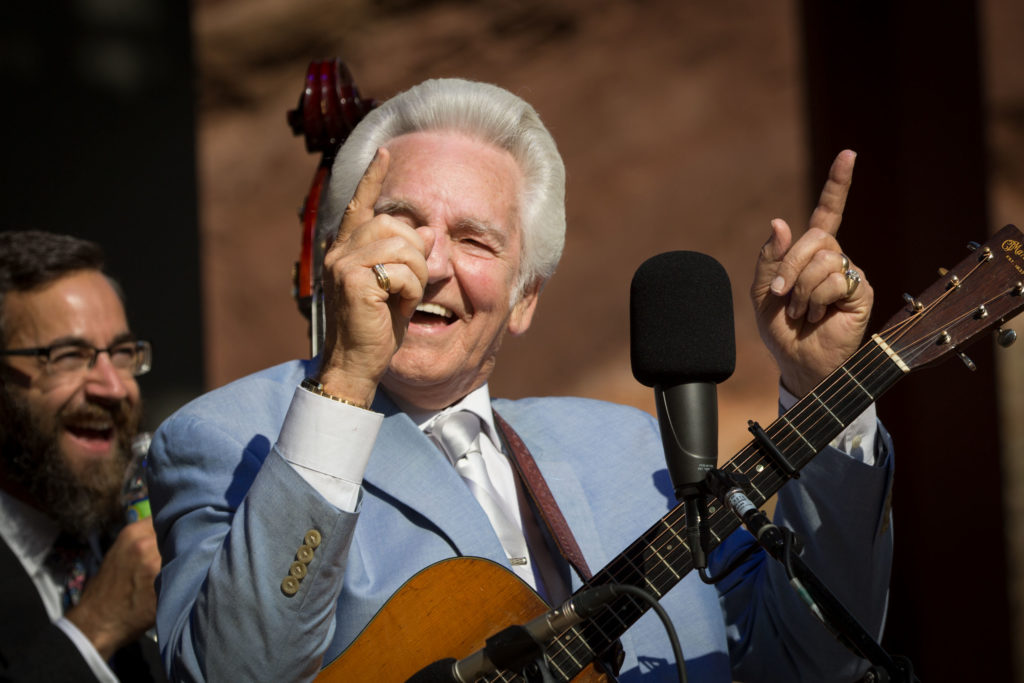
980,293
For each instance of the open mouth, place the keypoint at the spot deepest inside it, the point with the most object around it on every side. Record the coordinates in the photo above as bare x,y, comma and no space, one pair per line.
433,314
95,435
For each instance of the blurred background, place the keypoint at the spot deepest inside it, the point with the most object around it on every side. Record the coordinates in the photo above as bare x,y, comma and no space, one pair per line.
158,128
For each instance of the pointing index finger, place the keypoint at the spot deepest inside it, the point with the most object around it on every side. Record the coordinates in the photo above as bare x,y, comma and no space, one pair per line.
829,212
360,208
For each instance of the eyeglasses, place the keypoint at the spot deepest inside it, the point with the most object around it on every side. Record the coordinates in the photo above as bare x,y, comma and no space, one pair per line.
66,359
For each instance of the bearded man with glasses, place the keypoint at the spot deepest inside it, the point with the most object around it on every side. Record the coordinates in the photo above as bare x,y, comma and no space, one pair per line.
76,589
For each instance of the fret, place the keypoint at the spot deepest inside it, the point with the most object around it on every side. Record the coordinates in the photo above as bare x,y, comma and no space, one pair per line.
760,494
827,410
665,563
556,669
797,432
576,661
858,384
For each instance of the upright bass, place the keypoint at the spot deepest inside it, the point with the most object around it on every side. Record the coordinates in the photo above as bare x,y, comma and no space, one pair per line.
329,108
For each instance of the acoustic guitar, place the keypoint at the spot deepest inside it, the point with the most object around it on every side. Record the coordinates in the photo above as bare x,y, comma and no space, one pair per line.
457,604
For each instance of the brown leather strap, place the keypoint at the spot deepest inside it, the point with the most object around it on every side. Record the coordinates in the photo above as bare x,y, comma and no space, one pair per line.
542,498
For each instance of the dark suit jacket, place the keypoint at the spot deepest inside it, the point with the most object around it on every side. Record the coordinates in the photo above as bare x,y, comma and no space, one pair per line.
33,649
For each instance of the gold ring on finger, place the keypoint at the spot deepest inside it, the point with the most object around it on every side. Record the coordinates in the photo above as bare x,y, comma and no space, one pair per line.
852,282
846,262
382,277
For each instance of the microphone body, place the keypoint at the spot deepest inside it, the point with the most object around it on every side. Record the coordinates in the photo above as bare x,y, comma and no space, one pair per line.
683,345
688,418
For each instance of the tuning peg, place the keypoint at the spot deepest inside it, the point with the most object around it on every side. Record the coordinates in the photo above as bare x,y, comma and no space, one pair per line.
1005,337
967,361
943,271
972,245
912,302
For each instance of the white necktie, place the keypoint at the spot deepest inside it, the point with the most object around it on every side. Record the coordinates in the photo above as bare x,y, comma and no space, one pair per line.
458,434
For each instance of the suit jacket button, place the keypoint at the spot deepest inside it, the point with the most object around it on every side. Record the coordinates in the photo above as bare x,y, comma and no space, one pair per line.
290,586
313,538
298,570
304,554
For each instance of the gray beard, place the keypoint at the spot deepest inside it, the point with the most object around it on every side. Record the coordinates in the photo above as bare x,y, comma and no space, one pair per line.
81,504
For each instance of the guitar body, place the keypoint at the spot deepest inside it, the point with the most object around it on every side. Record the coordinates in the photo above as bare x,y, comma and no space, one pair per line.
447,610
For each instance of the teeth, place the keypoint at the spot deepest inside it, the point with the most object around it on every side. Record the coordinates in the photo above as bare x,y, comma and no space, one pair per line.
94,426
436,309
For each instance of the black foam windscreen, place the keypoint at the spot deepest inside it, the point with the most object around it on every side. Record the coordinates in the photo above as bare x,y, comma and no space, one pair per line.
680,320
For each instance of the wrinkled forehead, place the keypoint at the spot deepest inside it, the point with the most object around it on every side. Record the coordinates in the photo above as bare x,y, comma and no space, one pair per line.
456,175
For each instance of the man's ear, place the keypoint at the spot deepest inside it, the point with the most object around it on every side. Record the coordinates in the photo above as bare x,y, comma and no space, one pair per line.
522,313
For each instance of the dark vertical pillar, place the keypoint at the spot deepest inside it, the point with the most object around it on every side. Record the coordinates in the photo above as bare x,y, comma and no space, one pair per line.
901,83
98,141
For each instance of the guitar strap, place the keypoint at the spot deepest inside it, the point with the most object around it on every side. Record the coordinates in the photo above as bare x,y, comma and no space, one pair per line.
542,499
537,488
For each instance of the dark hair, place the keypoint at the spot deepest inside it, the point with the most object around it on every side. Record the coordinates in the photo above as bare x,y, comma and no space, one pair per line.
32,258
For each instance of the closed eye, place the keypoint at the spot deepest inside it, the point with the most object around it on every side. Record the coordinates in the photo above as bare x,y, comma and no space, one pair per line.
480,236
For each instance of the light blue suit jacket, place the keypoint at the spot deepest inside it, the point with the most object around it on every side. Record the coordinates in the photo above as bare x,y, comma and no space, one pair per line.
230,514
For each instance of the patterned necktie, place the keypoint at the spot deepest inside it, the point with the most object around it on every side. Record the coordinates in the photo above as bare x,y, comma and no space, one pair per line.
458,434
69,558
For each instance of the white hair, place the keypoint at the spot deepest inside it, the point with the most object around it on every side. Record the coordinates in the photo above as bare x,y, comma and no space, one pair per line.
482,111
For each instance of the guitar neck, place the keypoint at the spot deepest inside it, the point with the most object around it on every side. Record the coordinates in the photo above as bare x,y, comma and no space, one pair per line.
661,557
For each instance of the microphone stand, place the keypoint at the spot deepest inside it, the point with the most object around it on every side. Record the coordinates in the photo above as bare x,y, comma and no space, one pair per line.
779,543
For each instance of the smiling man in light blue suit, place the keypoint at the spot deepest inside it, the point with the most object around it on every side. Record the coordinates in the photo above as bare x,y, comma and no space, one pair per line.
292,504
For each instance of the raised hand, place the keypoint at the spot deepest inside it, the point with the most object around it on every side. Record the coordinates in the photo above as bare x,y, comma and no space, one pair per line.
365,322
810,313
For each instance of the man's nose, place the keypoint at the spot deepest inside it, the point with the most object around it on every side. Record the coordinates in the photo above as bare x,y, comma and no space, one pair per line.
103,380
439,254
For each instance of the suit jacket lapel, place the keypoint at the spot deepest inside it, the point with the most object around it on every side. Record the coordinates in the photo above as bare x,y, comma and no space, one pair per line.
408,467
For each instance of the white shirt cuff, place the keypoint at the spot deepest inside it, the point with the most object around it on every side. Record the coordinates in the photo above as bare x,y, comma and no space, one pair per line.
89,654
329,444
857,440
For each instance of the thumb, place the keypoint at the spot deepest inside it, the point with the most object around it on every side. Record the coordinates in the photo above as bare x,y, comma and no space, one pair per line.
766,275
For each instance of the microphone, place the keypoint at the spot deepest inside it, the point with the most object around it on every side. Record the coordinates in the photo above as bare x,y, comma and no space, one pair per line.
516,646
683,345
